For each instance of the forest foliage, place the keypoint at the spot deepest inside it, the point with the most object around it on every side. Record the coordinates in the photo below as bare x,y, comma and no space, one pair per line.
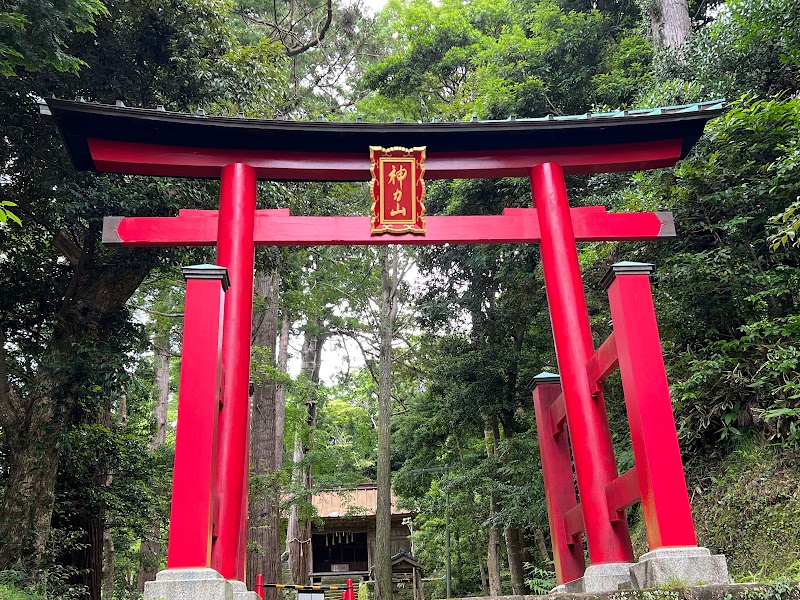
90,337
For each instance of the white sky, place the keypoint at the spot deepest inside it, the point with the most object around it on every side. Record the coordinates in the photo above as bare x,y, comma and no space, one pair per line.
374,5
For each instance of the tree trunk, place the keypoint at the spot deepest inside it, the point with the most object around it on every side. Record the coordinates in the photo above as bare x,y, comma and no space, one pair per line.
280,391
670,23
493,552
514,551
108,540
298,536
513,535
263,516
541,545
29,492
383,513
108,566
150,548
484,578
85,325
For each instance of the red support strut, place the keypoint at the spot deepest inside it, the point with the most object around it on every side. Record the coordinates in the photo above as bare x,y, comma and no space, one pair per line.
235,251
559,485
662,483
198,406
608,542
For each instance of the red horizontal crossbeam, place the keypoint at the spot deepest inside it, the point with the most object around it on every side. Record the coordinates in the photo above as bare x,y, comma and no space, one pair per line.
177,161
602,364
279,228
622,493
573,521
558,415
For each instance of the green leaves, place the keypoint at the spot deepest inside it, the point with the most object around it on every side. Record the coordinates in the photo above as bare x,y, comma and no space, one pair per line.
6,214
35,35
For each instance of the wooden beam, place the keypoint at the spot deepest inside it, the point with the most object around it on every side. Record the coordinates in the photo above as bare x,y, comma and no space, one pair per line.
622,493
178,161
558,415
573,521
601,364
279,228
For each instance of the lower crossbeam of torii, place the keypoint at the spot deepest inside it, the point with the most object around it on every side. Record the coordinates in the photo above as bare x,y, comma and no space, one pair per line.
208,522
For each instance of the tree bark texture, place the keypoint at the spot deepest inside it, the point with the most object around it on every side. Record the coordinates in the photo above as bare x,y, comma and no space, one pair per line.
108,540
108,566
493,551
298,536
280,391
514,551
263,556
383,513
541,545
150,548
670,23
84,335
513,535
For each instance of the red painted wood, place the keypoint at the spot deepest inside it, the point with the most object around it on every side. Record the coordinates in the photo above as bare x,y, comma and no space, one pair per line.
195,439
573,522
558,485
602,364
595,466
558,415
178,161
622,493
236,252
665,501
277,227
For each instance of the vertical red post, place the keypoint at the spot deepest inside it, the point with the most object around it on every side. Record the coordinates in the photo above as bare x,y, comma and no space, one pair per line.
586,415
662,483
198,406
241,565
260,586
235,251
559,485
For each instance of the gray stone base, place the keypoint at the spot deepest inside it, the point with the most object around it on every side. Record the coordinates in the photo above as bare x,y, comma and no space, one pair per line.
679,566
607,577
188,584
240,591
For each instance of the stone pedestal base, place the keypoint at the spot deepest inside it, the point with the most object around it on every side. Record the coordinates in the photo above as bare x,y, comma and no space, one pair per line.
240,591
188,584
686,566
601,578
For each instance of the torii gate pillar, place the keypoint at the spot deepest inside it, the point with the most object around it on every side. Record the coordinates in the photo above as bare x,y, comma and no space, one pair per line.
235,250
586,415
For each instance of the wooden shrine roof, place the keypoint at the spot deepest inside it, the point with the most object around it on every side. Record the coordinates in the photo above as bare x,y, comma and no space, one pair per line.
361,501
120,139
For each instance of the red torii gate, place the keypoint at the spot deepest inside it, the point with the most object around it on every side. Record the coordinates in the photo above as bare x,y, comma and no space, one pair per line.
208,523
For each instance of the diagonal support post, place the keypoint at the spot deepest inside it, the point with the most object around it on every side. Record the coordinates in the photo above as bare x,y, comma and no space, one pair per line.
559,485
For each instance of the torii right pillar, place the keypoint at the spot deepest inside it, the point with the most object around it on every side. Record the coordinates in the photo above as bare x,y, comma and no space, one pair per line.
658,478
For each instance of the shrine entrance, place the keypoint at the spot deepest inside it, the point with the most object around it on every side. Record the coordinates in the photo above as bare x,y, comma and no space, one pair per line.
208,520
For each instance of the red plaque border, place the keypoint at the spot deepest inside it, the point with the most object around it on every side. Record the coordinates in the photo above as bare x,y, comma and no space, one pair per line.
416,156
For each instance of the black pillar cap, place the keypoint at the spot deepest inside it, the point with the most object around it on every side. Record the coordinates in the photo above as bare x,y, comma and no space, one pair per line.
208,272
545,377
625,268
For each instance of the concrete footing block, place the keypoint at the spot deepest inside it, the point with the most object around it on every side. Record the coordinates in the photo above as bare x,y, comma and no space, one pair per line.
188,584
606,577
240,591
686,566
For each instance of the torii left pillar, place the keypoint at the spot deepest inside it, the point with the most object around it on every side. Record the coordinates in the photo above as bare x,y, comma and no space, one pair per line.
188,573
